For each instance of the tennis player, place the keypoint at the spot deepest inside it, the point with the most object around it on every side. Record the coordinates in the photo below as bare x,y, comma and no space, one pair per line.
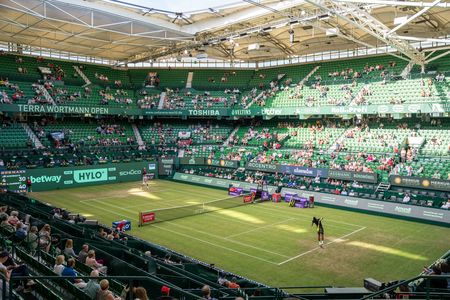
318,223
145,179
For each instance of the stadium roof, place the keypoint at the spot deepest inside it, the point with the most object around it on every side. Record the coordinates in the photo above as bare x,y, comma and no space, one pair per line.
139,30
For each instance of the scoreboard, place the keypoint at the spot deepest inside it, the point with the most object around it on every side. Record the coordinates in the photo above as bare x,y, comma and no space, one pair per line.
13,180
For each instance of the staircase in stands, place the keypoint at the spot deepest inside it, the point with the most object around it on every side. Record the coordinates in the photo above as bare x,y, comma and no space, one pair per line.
46,94
82,75
138,137
383,187
36,142
161,100
231,136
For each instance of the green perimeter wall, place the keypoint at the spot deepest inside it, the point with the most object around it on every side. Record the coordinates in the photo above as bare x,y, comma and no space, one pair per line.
66,177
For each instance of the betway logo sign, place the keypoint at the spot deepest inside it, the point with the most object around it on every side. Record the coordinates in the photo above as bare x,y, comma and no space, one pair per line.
45,178
91,175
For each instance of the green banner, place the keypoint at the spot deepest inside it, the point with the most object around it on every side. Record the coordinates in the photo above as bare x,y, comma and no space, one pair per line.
44,179
420,182
225,112
218,182
192,161
209,161
222,163
255,166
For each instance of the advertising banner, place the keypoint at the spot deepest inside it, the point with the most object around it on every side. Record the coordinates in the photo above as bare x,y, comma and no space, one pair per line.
192,161
255,166
165,166
146,217
353,176
420,183
379,206
219,182
235,191
44,179
303,171
225,112
312,172
222,163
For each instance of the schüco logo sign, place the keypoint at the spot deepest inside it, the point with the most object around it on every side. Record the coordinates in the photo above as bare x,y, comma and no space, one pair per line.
130,172
91,175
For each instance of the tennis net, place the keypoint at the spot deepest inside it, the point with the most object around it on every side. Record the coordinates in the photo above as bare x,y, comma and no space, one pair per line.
177,212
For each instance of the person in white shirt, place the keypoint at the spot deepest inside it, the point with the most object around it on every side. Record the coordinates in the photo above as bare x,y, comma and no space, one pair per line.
407,198
59,264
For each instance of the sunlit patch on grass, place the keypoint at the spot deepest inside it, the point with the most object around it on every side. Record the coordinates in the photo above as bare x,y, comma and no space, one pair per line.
142,193
240,216
86,215
192,202
291,228
387,250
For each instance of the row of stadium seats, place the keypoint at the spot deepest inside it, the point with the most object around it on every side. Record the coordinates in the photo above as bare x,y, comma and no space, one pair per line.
365,147
124,255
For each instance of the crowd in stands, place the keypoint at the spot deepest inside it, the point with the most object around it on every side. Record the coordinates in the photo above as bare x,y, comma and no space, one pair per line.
26,230
14,88
179,99
148,101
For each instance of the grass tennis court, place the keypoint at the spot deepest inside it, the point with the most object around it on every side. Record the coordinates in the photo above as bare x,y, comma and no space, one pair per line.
269,242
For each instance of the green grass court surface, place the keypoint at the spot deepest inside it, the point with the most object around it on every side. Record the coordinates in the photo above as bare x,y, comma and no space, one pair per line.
268,242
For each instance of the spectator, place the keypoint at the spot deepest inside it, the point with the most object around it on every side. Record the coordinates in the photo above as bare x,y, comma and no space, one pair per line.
58,268
92,287
12,269
93,263
206,293
69,271
140,293
104,293
437,283
45,238
32,238
68,249
165,293
13,218
232,283
83,253
407,198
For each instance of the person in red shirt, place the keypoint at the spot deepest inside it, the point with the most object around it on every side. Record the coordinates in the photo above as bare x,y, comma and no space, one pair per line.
232,284
28,183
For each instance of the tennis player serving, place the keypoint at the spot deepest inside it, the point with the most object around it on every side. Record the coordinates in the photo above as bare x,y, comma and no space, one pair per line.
319,226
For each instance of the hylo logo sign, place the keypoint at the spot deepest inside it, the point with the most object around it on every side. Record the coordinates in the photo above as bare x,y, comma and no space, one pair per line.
92,175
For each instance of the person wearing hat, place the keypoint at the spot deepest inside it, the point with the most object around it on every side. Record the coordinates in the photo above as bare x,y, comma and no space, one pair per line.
165,291
12,269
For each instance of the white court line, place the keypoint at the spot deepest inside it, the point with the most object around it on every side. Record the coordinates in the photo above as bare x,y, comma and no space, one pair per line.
110,211
303,216
236,242
105,197
110,205
312,250
232,241
258,228
213,244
